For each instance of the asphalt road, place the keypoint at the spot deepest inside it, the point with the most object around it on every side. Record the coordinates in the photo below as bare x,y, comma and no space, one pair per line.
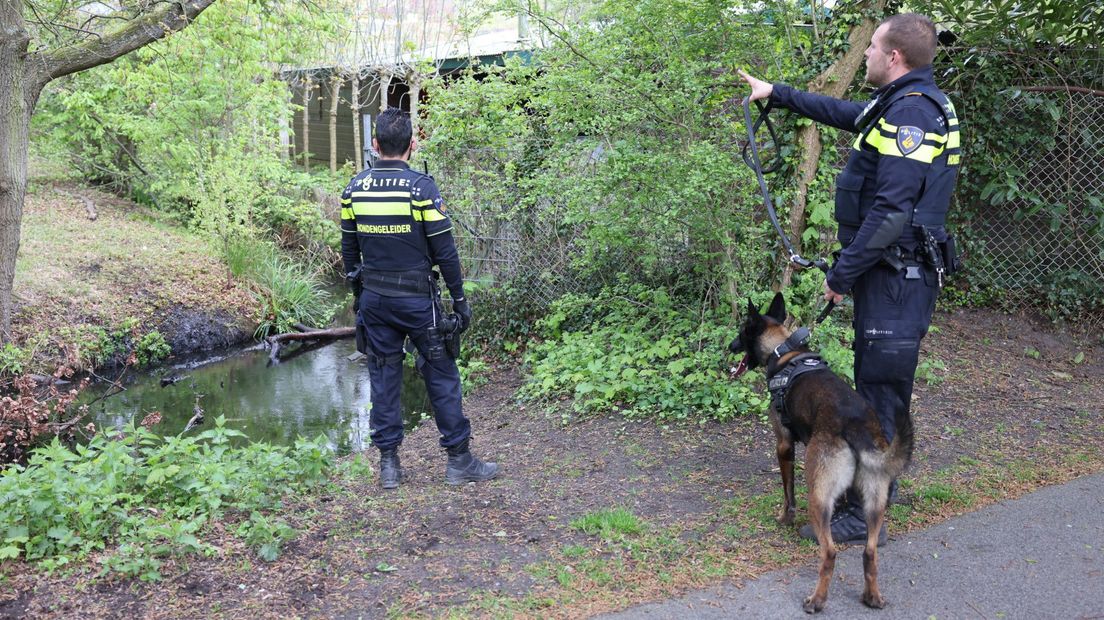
1040,556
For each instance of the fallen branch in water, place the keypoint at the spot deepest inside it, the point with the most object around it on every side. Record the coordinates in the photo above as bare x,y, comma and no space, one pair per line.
274,342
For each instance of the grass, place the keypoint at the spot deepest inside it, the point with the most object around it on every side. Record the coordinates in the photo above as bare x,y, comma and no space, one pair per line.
612,524
288,290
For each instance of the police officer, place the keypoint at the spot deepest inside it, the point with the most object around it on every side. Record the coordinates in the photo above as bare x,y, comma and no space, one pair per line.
394,229
891,206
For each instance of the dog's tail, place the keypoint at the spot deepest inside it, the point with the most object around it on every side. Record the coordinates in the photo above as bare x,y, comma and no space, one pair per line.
900,450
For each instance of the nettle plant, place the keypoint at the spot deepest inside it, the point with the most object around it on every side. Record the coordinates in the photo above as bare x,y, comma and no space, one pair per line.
633,350
140,498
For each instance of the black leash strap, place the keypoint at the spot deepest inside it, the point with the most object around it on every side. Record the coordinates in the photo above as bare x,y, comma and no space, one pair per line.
752,160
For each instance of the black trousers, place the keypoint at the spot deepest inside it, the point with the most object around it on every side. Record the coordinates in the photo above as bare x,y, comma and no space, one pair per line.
389,320
893,311
892,314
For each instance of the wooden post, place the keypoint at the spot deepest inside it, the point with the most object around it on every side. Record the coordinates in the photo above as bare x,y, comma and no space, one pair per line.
335,95
308,86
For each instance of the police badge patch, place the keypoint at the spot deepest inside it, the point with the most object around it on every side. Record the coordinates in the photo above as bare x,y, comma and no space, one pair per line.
909,138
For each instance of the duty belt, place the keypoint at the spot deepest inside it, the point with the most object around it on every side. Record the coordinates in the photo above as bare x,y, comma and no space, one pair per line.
400,281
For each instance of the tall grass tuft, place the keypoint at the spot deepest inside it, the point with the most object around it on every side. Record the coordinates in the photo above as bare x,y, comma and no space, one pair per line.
289,290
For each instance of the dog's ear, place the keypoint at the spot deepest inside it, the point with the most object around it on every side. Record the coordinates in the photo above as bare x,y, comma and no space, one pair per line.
777,310
753,310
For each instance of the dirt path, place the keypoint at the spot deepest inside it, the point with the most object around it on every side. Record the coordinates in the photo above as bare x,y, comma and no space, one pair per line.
1016,408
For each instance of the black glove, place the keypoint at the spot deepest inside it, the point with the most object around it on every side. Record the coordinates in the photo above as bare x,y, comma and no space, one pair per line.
462,310
353,280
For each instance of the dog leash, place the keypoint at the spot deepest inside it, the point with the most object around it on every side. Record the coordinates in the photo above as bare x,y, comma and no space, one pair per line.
753,161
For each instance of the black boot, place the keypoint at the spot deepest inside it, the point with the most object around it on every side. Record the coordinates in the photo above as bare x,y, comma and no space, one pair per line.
848,528
390,469
462,467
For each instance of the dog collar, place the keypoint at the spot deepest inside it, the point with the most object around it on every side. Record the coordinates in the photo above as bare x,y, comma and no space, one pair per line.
794,342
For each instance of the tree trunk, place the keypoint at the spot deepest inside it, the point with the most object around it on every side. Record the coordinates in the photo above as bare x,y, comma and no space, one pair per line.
317,335
307,88
385,85
834,82
354,105
16,104
335,97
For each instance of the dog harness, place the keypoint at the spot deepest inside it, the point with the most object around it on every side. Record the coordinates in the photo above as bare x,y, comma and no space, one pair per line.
784,378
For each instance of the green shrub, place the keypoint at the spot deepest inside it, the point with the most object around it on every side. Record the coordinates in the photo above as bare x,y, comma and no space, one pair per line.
633,350
151,348
149,497
290,292
12,359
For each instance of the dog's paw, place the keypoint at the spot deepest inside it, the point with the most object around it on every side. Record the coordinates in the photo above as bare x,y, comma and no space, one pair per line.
873,600
813,605
786,517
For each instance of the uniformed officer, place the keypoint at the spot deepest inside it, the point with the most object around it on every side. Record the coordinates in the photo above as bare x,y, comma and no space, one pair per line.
891,206
394,229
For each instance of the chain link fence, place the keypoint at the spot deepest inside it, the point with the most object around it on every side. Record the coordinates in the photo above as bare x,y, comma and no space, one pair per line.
1026,244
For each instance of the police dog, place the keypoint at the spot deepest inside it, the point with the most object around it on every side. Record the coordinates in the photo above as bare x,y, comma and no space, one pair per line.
845,446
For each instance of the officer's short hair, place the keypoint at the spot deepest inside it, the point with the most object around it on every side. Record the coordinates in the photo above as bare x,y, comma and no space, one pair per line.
913,35
393,132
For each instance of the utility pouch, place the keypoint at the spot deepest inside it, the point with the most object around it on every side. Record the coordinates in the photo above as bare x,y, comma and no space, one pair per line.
452,345
893,258
435,347
951,261
449,331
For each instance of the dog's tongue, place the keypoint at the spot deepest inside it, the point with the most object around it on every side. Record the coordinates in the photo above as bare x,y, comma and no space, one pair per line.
738,369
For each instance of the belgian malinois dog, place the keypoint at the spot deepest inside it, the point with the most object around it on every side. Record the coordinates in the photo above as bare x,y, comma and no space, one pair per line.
844,443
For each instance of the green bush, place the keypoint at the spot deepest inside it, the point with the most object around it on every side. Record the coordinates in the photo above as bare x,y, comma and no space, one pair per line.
12,359
633,350
151,348
149,497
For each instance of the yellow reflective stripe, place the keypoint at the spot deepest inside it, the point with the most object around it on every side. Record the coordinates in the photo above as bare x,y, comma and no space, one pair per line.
886,126
346,201
952,140
934,137
421,203
888,146
347,213
381,208
428,215
381,194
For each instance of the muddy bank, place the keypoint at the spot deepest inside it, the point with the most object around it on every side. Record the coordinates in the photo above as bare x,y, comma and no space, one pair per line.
192,331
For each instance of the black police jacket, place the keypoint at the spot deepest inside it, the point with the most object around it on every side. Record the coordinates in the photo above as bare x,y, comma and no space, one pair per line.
394,221
901,171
